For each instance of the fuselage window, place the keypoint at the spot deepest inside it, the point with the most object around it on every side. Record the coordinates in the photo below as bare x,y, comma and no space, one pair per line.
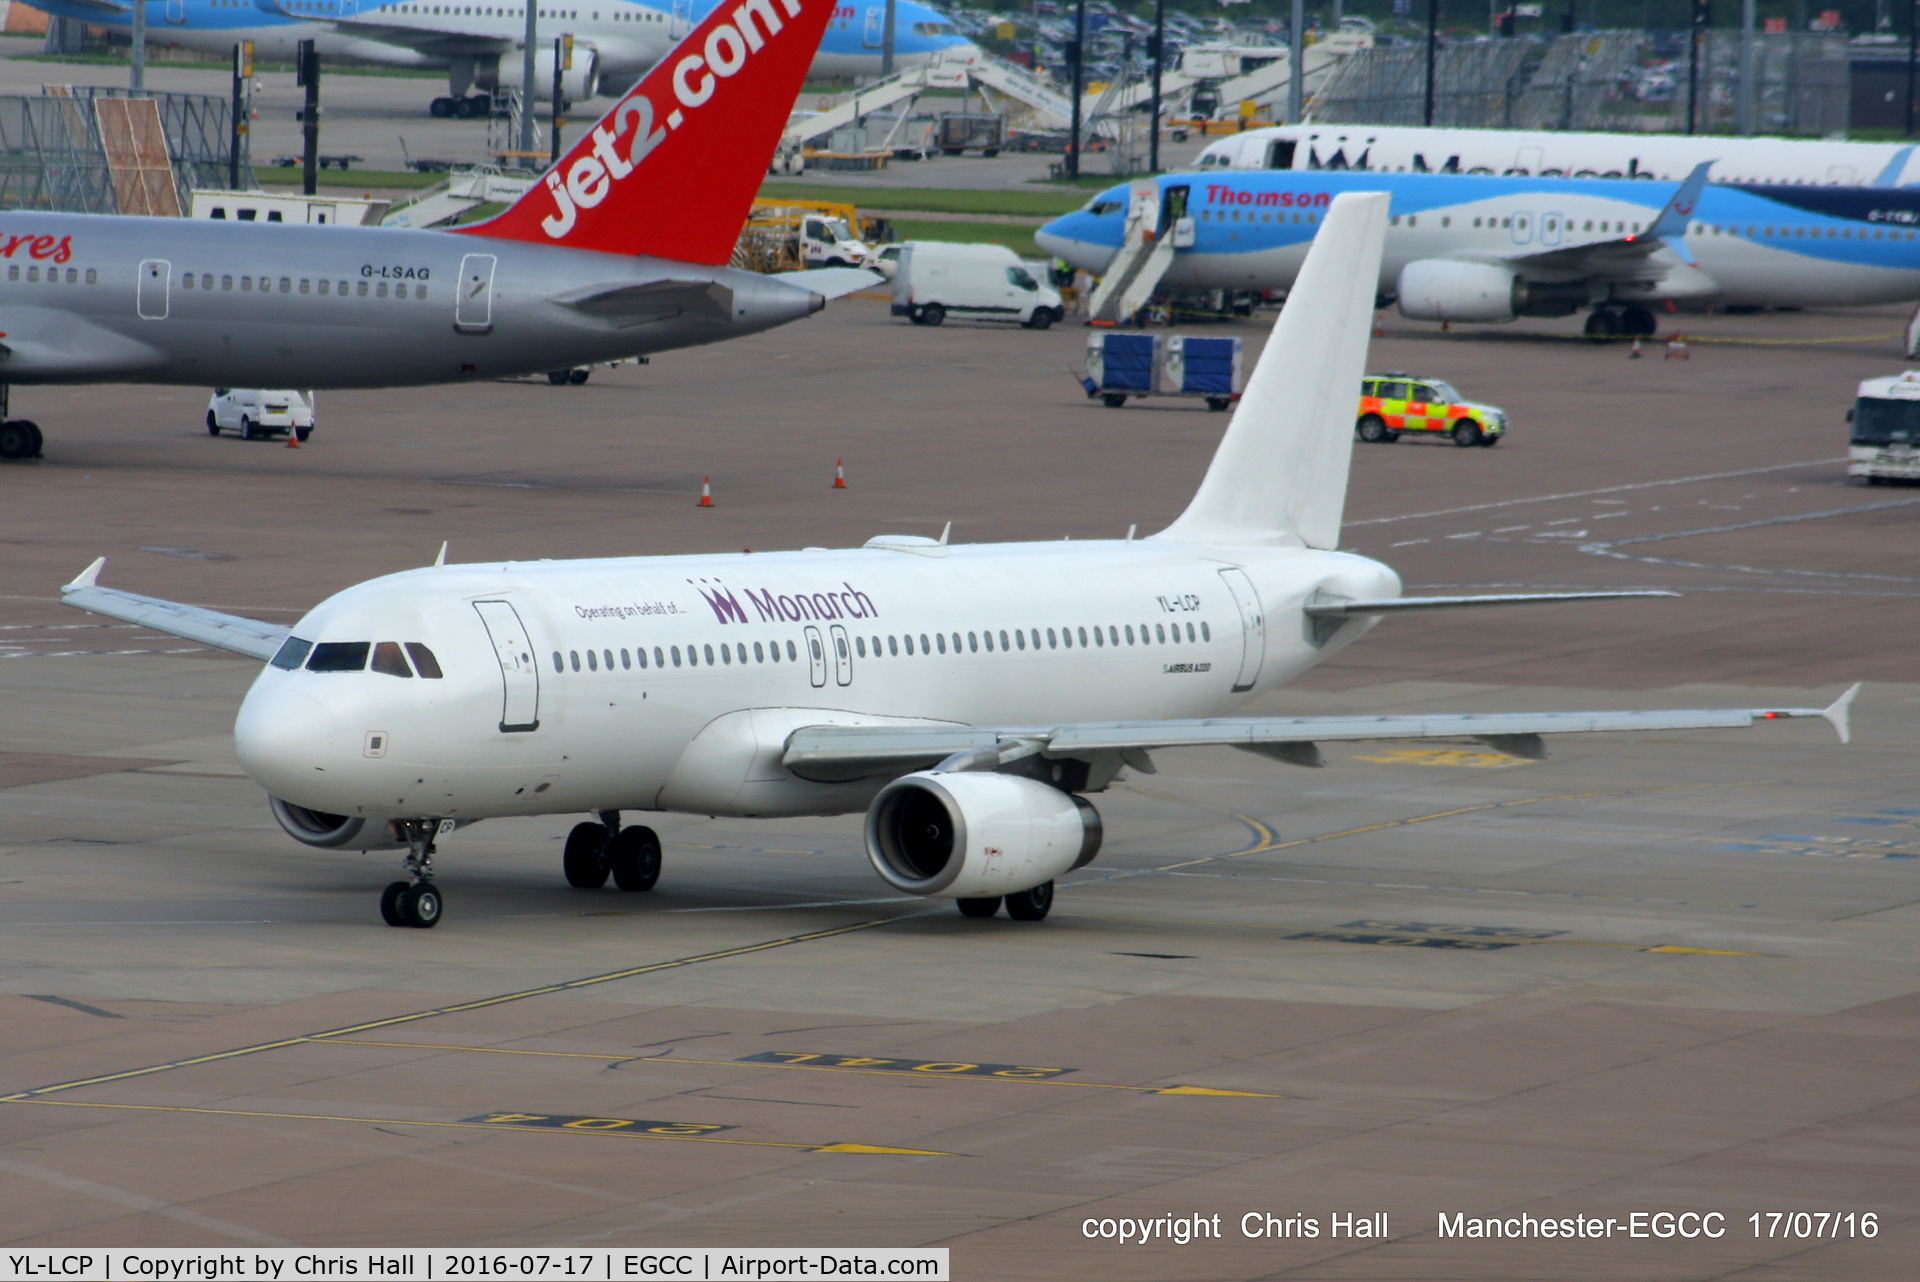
626,660
362,291
759,653
1019,638
1083,638
693,656
1206,633
640,654
13,271
1129,634
1066,637
1113,634
1098,639
792,653
709,654
292,653
941,639
380,291
339,656
323,285
286,284
574,655
607,655
876,647
726,654
186,281
1160,633
1035,634
246,284
773,651
559,664
1053,642
860,646
676,656
593,662
33,273
660,660
909,640
1003,639
926,646
226,282
388,661
1190,635
973,643
305,285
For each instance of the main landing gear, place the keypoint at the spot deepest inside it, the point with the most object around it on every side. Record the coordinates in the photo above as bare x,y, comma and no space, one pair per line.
415,902
631,856
1025,905
1622,322
19,438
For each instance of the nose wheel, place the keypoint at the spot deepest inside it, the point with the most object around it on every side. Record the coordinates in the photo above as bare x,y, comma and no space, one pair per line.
417,901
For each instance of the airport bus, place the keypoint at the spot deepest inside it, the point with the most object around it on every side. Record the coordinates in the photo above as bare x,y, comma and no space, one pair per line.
1885,444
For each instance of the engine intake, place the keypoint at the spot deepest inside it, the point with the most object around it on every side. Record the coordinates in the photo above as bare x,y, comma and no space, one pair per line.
975,836
580,82
330,832
1449,289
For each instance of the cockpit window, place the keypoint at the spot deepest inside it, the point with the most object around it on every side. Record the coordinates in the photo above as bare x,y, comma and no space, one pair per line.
1101,208
339,656
293,652
423,661
388,661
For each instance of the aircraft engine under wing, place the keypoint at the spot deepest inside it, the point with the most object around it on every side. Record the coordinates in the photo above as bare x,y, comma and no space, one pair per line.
838,753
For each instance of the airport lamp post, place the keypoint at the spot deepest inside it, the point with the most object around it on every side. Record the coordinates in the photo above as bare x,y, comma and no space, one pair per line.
309,76
139,81
886,43
529,76
1913,58
1746,102
1433,36
1157,48
242,73
562,63
1296,57
1077,50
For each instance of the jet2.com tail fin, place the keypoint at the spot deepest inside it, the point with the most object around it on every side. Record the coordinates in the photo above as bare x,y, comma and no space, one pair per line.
672,170
1280,475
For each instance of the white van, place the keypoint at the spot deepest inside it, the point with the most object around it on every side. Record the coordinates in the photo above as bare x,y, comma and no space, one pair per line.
987,282
253,412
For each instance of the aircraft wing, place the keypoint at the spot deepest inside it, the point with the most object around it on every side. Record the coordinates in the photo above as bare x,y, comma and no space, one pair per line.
839,753
250,637
834,282
1626,255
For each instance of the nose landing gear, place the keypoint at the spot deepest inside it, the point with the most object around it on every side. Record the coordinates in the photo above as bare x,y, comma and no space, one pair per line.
415,902
595,850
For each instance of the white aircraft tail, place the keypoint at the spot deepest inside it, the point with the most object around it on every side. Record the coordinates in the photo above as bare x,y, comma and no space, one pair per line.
1280,474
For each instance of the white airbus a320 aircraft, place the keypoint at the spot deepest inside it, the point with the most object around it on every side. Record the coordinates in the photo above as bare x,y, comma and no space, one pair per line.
964,697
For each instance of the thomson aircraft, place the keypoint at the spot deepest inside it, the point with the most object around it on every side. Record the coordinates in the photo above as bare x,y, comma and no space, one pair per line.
615,41
621,250
1463,248
1546,153
967,698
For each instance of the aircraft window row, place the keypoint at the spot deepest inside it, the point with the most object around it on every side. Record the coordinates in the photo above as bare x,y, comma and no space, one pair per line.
389,658
641,16
458,10
1266,216
306,286
974,642
53,274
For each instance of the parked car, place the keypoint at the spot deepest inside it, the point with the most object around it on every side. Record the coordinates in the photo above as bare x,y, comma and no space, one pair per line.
986,282
885,260
1397,402
253,412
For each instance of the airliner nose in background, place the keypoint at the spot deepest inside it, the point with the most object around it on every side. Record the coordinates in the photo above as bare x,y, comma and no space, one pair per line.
966,698
615,41
621,251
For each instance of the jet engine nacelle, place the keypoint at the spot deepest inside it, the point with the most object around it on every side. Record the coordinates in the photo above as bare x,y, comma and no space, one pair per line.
331,832
1448,289
971,835
580,82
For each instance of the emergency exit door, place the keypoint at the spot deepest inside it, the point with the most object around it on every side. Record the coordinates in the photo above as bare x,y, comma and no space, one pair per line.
1253,627
473,309
519,674
816,658
842,655
151,301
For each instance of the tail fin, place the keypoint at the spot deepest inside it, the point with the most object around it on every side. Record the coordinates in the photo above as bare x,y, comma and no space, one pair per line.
1280,474
672,170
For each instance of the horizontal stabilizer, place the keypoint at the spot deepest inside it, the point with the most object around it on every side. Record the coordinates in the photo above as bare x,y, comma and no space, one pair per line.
655,300
833,282
250,637
1402,605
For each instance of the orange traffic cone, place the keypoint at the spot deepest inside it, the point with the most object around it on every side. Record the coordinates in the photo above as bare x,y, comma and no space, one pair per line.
839,475
1636,350
706,492
293,438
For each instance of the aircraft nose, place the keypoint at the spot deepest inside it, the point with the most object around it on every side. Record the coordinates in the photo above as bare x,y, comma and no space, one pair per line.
284,739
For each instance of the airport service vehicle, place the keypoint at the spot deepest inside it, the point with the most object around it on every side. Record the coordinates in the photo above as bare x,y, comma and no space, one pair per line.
1396,402
967,699
621,250
934,280
1885,442
1552,153
253,412
1466,249
829,242
885,260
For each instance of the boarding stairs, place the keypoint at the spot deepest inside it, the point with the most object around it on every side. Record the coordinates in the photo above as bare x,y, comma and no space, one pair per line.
976,67
1132,276
460,193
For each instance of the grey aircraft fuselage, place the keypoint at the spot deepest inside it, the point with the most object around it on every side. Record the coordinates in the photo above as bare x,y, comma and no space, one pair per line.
88,297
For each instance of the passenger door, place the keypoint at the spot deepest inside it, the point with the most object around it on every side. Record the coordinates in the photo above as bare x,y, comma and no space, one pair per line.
842,656
1253,626
156,274
1550,227
875,35
519,674
473,308
816,657
177,12
682,20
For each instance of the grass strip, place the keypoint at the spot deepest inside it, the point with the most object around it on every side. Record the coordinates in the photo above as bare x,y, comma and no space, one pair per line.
365,179
1018,239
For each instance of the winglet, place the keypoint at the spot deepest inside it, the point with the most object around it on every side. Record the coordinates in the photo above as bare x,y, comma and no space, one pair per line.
87,578
1839,713
440,561
1671,225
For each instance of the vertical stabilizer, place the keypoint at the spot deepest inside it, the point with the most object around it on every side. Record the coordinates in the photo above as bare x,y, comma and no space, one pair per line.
1280,474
